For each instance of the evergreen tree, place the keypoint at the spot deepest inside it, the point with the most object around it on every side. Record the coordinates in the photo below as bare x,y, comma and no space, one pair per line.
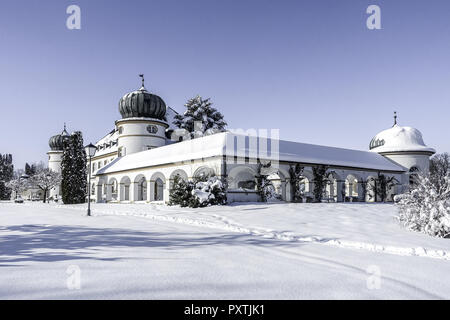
30,170
200,118
320,182
181,192
6,174
73,170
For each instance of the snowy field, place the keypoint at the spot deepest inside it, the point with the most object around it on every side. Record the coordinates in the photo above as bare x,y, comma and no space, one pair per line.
245,251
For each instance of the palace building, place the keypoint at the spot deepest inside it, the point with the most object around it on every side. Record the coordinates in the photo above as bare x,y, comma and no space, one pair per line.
138,160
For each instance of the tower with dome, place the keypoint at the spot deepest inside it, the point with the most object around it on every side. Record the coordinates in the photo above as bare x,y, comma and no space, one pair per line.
403,145
56,144
137,161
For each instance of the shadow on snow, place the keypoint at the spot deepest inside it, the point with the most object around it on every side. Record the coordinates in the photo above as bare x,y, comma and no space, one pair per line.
60,243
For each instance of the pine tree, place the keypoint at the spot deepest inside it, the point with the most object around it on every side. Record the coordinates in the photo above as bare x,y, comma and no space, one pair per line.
73,170
6,174
181,192
30,169
200,118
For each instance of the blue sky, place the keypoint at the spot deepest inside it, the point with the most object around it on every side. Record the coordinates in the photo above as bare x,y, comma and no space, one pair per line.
310,68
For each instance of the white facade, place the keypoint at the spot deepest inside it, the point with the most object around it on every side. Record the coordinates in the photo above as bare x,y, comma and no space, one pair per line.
54,164
135,162
140,134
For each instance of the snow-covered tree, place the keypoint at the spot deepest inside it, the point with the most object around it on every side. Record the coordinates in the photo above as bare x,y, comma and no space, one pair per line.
17,185
73,170
426,209
45,179
6,174
296,174
30,169
204,191
200,118
181,192
264,186
320,182
439,169
209,192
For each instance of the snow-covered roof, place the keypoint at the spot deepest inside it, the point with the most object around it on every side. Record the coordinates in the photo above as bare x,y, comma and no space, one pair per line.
399,139
227,144
107,144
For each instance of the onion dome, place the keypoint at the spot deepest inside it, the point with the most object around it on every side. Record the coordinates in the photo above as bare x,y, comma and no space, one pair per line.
56,143
399,139
142,104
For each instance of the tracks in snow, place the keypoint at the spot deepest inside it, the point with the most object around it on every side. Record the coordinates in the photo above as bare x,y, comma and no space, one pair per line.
215,221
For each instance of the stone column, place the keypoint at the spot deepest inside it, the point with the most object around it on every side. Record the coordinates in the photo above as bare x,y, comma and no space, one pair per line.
287,190
108,192
340,190
99,192
149,191
166,188
133,191
120,192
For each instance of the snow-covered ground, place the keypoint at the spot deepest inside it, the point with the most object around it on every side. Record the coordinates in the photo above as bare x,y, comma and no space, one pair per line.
242,251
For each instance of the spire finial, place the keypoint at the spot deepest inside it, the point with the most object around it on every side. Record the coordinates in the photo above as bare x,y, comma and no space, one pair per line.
64,126
142,77
395,118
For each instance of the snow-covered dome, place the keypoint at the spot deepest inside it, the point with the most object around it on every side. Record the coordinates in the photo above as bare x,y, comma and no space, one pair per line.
56,143
399,139
142,104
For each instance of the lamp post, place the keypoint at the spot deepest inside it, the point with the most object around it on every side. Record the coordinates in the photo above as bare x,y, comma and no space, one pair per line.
90,151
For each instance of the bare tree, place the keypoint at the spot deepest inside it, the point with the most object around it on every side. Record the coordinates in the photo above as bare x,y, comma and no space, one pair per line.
439,170
45,179
18,185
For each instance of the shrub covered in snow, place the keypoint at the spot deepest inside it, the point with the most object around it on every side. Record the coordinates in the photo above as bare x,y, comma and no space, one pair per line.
199,193
425,208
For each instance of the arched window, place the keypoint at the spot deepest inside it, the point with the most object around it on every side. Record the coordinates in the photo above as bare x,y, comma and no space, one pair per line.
142,190
114,189
159,190
246,180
